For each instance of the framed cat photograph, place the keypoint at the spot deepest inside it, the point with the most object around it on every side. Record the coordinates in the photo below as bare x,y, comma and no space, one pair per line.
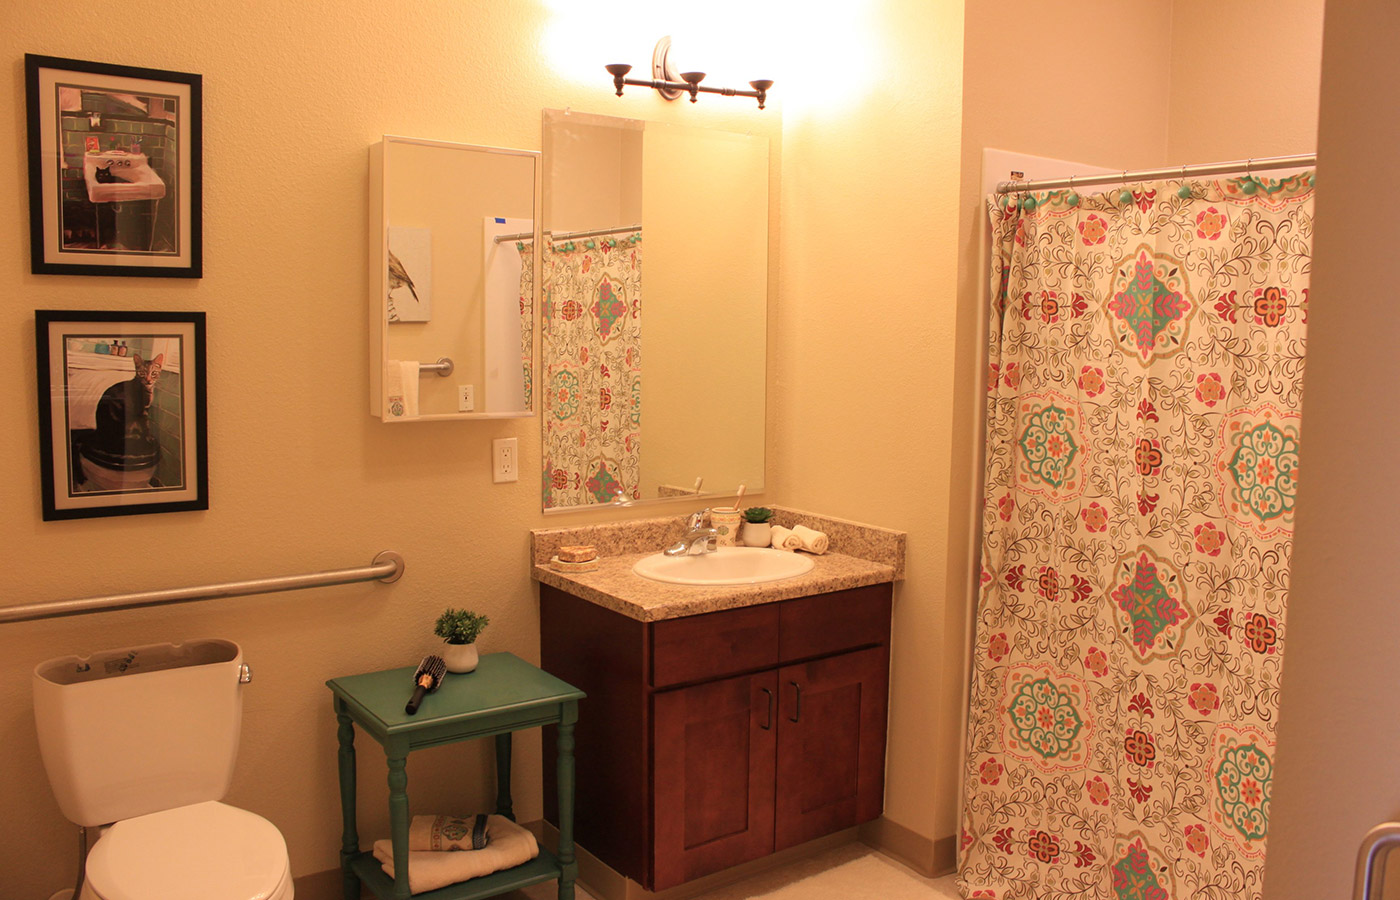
115,184
122,405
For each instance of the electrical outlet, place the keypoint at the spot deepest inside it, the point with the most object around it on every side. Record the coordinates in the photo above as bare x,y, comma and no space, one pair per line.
504,460
466,397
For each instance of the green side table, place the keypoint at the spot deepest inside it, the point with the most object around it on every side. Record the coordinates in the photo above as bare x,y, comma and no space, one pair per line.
505,694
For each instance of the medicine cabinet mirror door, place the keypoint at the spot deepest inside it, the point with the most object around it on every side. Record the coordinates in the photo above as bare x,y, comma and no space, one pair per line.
653,311
452,275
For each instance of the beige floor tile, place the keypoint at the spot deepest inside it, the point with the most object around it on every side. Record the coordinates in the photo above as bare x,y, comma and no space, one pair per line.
851,872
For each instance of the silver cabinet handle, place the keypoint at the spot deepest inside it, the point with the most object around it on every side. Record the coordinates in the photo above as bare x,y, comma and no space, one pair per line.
768,719
1370,860
797,714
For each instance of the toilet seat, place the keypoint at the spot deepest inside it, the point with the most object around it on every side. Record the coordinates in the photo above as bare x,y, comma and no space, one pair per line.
207,850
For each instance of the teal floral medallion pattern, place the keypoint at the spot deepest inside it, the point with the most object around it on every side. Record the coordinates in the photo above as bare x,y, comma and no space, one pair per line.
1051,456
1149,305
1258,468
1243,771
1046,719
607,308
1144,377
1149,599
1138,871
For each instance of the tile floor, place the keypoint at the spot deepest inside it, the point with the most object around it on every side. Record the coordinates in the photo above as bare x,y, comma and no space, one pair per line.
849,872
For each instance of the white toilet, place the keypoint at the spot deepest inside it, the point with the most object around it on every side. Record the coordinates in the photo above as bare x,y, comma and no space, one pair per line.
141,742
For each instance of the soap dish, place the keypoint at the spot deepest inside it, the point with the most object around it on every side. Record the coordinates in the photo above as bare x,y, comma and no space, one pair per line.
559,565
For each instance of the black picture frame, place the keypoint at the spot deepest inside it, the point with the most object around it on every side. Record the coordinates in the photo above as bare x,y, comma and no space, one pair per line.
140,214
100,452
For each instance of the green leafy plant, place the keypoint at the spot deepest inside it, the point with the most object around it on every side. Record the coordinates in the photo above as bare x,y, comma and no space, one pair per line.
460,626
758,514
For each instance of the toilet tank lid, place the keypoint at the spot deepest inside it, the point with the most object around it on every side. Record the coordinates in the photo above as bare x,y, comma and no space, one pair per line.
208,850
69,670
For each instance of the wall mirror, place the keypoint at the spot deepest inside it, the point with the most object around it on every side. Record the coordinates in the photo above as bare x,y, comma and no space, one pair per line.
653,311
452,276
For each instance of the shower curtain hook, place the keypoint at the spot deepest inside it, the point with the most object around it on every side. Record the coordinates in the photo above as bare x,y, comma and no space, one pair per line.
1248,167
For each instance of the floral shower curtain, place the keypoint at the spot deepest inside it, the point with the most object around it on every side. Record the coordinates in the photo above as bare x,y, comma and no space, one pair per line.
591,346
527,318
1146,369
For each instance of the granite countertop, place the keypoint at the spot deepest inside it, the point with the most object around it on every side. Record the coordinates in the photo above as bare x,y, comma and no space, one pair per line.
861,555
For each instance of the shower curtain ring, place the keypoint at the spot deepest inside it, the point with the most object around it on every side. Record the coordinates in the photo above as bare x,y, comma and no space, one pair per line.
1248,167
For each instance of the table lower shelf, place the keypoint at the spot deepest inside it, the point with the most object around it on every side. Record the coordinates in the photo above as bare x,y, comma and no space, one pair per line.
544,867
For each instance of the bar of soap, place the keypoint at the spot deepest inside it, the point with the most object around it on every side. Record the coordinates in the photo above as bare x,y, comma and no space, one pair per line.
577,553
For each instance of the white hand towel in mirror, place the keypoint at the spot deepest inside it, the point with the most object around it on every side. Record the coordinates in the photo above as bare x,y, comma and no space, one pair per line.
811,540
401,389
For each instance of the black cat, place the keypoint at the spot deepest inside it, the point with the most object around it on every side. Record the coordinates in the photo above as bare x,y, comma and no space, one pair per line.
105,176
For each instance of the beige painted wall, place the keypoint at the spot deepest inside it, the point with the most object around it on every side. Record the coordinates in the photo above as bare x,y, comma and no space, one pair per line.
302,478
1244,79
864,342
1336,773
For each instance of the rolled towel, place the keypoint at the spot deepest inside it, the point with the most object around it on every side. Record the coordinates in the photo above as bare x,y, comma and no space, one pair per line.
811,540
510,845
784,539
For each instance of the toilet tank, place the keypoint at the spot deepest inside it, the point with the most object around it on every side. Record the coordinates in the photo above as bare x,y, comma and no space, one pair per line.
133,731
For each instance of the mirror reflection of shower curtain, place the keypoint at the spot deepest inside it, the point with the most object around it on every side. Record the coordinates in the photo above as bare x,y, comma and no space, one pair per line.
1145,378
591,331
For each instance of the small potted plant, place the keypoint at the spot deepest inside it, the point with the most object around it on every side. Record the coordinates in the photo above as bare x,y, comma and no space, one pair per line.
758,531
460,628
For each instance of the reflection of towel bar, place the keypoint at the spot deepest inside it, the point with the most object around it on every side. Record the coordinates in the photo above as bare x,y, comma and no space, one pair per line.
443,367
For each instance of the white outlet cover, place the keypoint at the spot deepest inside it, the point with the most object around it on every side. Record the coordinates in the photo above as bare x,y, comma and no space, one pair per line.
466,397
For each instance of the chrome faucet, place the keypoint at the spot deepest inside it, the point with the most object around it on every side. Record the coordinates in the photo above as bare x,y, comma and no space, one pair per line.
698,538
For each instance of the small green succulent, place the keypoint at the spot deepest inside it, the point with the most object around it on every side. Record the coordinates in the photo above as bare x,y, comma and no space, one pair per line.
460,626
758,514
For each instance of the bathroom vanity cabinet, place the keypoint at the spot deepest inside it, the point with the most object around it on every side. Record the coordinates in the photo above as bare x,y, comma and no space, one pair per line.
715,739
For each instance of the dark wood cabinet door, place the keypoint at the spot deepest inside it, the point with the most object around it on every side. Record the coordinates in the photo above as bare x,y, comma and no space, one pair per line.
714,763
831,744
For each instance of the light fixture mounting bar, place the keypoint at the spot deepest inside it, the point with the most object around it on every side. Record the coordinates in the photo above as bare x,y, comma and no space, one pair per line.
689,84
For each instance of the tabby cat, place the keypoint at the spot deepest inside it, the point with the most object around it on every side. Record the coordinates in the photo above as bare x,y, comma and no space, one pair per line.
124,439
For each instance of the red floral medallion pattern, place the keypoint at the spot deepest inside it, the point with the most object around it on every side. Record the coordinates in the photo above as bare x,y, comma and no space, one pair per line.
1135,572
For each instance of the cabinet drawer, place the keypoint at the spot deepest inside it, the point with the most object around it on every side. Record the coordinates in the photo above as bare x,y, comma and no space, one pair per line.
831,623
713,645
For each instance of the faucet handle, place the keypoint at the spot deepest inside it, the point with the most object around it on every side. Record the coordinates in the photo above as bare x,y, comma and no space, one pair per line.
697,519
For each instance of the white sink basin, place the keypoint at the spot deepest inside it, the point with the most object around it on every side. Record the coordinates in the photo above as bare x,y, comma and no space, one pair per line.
727,565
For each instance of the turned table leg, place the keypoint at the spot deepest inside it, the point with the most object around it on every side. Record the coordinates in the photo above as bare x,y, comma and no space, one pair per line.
568,867
503,801
398,823
350,837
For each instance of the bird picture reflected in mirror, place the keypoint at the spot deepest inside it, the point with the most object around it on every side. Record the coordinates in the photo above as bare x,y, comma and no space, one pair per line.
409,296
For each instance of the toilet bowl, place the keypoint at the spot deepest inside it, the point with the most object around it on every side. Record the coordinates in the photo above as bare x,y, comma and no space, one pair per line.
139,743
210,850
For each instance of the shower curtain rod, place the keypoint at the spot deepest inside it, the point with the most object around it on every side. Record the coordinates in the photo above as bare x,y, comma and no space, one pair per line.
1249,166
568,235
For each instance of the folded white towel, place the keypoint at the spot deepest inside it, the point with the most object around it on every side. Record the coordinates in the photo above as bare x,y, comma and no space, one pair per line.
429,870
811,540
784,539
401,389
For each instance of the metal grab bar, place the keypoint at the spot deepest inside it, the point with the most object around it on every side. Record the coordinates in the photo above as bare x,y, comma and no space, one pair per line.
443,367
387,567
1370,860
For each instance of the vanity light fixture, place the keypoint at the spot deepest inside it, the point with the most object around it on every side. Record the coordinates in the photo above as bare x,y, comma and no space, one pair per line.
672,85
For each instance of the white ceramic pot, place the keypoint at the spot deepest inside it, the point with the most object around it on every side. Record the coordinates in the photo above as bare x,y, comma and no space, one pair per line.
460,657
757,534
